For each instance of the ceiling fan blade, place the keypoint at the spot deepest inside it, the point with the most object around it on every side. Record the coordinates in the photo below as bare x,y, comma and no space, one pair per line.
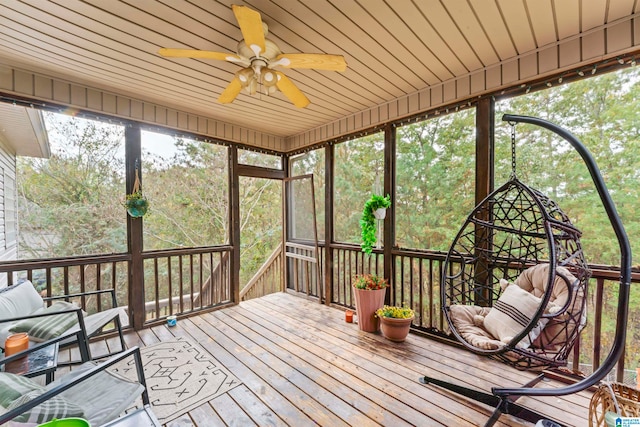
201,54
291,91
230,93
251,26
316,61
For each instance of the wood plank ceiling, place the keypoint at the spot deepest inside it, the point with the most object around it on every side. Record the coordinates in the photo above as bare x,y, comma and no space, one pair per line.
393,48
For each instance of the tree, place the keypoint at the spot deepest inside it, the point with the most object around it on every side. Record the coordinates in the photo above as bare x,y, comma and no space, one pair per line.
70,204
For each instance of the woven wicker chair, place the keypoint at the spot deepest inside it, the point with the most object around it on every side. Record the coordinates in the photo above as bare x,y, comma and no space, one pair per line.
611,401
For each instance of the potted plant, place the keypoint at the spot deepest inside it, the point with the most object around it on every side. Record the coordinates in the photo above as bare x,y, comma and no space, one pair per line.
137,204
374,208
369,291
395,321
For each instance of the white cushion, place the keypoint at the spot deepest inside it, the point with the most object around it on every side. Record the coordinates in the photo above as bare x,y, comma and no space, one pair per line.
19,300
15,301
512,312
104,396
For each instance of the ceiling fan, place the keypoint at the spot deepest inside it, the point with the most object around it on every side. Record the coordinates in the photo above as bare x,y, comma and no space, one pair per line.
259,56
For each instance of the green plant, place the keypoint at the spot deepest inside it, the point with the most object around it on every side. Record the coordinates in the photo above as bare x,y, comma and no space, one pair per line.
367,221
370,282
395,312
137,204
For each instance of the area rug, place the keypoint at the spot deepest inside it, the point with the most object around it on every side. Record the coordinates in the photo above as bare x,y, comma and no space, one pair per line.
180,376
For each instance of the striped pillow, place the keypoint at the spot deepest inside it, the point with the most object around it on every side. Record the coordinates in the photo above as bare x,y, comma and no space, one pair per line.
511,313
44,328
16,390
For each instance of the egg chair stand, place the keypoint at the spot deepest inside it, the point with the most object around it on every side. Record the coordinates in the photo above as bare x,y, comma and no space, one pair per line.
518,240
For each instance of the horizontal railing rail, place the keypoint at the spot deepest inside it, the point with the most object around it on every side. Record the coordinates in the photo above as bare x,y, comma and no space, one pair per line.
176,281
267,280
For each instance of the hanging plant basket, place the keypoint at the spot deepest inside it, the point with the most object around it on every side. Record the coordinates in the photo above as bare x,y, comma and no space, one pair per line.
136,203
374,208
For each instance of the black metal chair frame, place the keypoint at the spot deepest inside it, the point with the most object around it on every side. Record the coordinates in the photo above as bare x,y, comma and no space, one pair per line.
503,399
132,352
82,336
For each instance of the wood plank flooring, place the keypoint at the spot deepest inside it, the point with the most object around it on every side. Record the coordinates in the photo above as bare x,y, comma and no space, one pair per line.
300,365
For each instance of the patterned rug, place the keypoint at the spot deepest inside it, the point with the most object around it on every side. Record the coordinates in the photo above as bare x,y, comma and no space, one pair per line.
180,376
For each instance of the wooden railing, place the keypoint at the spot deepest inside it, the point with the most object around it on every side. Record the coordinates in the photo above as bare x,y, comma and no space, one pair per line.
417,283
178,281
348,261
267,280
63,276
304,268
182,281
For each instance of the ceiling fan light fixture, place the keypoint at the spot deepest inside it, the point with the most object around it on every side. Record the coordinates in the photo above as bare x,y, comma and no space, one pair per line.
245,76
252,87
269,77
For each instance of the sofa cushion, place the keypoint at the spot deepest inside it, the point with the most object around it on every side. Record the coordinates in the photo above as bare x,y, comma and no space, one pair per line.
44,328
16,390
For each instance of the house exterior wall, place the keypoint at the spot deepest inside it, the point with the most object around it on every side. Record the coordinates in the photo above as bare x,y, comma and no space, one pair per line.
8,207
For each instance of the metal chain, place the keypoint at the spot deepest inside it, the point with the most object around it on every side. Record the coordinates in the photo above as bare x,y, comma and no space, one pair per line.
513,149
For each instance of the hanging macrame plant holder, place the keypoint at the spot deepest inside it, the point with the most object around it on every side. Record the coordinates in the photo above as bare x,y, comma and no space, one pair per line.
137,204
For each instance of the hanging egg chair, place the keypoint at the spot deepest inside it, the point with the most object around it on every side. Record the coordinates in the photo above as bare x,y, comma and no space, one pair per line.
515,278
514,284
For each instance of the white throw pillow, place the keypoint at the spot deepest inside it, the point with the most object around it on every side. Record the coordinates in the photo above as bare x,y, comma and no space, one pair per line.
512,312
19,300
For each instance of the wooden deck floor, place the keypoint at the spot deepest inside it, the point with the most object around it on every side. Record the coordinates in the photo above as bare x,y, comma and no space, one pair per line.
300,364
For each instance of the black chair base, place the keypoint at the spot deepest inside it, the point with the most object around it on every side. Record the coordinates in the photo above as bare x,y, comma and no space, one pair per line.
502,404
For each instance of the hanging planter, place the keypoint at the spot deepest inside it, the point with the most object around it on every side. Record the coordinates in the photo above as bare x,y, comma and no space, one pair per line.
374,209
136,203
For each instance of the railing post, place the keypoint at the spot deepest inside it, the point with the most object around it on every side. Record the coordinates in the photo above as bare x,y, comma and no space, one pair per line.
329,159
133,153
234,220
484,186
390,219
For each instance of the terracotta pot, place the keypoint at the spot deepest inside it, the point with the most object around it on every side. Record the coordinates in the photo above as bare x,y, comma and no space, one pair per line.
367,302
395,329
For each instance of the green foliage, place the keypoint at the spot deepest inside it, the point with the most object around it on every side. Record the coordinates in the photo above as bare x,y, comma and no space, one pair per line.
70,204
435,179
368,221
370,282
358,172
395,312
136,204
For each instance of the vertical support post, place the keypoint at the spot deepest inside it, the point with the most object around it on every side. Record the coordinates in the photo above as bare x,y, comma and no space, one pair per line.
329,161
483,187
286,167
234,220
133,153
390,219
